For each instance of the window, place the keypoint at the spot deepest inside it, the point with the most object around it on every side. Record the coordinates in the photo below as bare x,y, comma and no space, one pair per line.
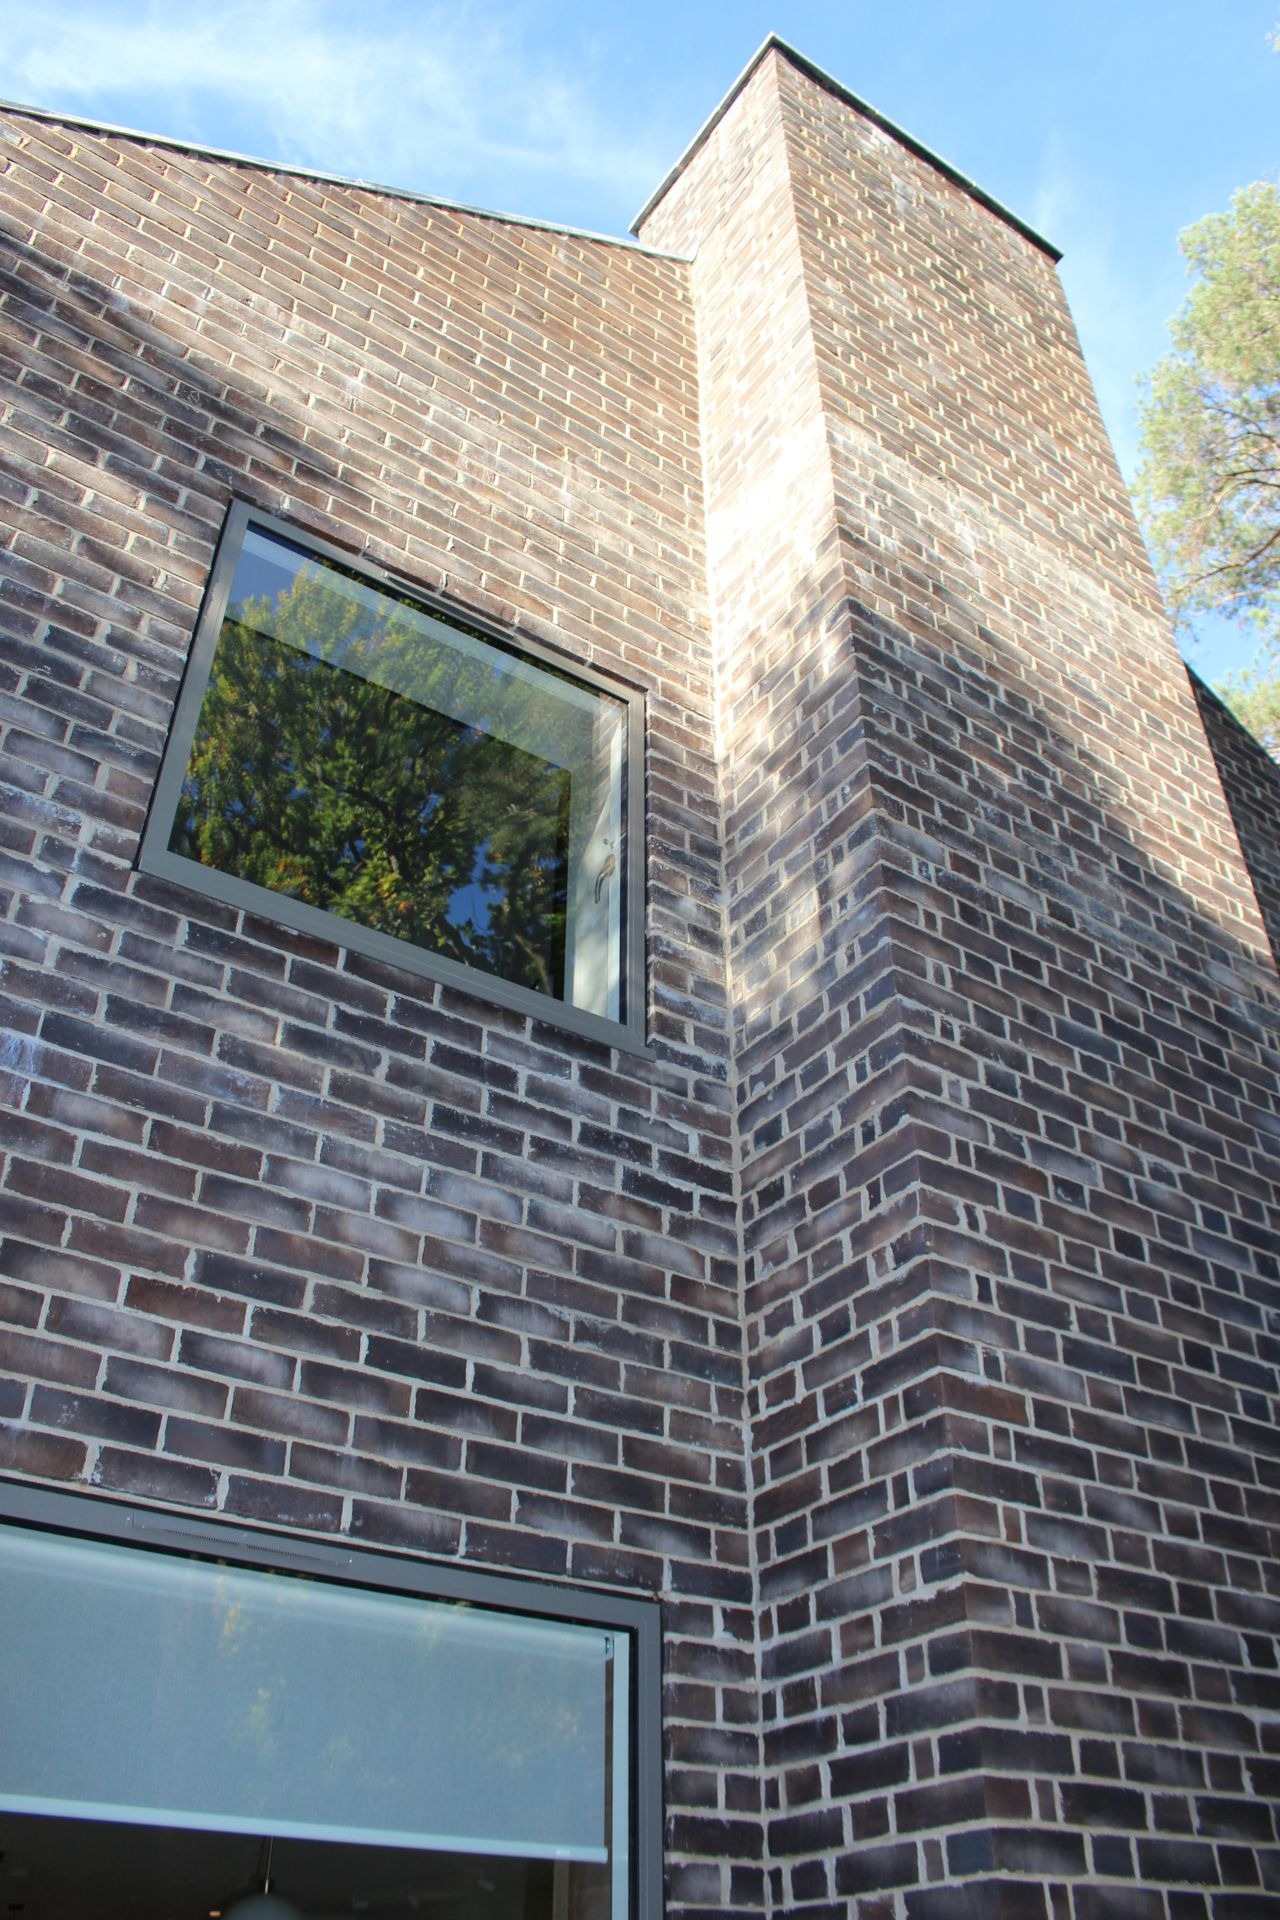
362,765
195,1714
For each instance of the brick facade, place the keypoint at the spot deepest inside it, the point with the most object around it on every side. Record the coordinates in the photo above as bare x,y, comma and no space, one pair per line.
907,1317
1253,795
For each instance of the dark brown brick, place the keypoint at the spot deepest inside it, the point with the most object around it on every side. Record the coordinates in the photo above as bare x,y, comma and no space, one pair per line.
941,1213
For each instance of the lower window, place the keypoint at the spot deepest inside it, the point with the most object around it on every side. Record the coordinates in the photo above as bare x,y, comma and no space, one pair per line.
359,764
188,1737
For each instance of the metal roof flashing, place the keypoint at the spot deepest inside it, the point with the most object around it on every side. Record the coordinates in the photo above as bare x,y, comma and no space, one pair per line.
773,43
630,242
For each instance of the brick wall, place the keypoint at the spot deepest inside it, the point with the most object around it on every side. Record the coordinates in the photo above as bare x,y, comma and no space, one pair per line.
907,1318
289,1235
1251,783
1009,1180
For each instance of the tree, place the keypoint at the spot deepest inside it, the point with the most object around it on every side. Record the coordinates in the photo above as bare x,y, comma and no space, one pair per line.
1209,484
1253,695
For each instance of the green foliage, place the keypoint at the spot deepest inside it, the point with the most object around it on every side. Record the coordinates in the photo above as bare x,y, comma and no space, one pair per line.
324,768
1210,479
1254,697
1209,484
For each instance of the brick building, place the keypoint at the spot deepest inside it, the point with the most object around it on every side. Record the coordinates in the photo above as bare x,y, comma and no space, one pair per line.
788,1235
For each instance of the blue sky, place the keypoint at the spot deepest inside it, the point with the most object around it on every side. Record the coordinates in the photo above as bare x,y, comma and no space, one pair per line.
1109,125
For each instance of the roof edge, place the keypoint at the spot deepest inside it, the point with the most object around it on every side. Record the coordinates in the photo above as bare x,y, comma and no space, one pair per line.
630,242
774,43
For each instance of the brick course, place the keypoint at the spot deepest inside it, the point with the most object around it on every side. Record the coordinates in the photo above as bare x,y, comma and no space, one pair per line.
907,1317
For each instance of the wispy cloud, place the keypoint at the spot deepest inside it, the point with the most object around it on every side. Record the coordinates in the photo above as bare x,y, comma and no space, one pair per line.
445,99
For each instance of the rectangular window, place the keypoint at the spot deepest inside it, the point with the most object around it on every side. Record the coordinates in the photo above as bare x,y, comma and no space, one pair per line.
182,1732
365,766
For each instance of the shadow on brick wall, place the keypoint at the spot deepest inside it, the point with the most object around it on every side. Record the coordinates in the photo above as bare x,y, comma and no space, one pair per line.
1251,782
1015,1456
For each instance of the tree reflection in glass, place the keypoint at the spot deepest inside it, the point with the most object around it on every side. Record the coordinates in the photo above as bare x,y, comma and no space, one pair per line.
354,754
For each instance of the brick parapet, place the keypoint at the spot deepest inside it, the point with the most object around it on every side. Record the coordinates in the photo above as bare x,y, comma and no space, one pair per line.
1251,783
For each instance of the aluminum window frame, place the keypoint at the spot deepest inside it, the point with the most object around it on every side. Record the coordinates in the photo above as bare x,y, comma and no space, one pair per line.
155,856
637,1621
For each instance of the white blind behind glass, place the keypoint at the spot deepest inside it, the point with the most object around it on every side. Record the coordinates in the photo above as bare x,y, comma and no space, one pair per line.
145,1688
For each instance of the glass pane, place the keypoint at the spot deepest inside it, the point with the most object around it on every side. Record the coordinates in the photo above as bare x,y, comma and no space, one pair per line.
151,1689
355,753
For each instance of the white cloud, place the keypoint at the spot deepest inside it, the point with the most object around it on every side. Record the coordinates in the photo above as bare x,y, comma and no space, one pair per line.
439,99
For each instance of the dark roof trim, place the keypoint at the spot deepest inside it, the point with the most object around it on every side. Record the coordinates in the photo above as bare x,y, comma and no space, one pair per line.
632,245
775,44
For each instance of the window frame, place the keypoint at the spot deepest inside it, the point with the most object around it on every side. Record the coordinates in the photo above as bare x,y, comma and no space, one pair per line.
194,1537
155,856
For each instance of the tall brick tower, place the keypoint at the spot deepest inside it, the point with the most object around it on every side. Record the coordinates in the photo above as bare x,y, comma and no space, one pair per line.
1005,1060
